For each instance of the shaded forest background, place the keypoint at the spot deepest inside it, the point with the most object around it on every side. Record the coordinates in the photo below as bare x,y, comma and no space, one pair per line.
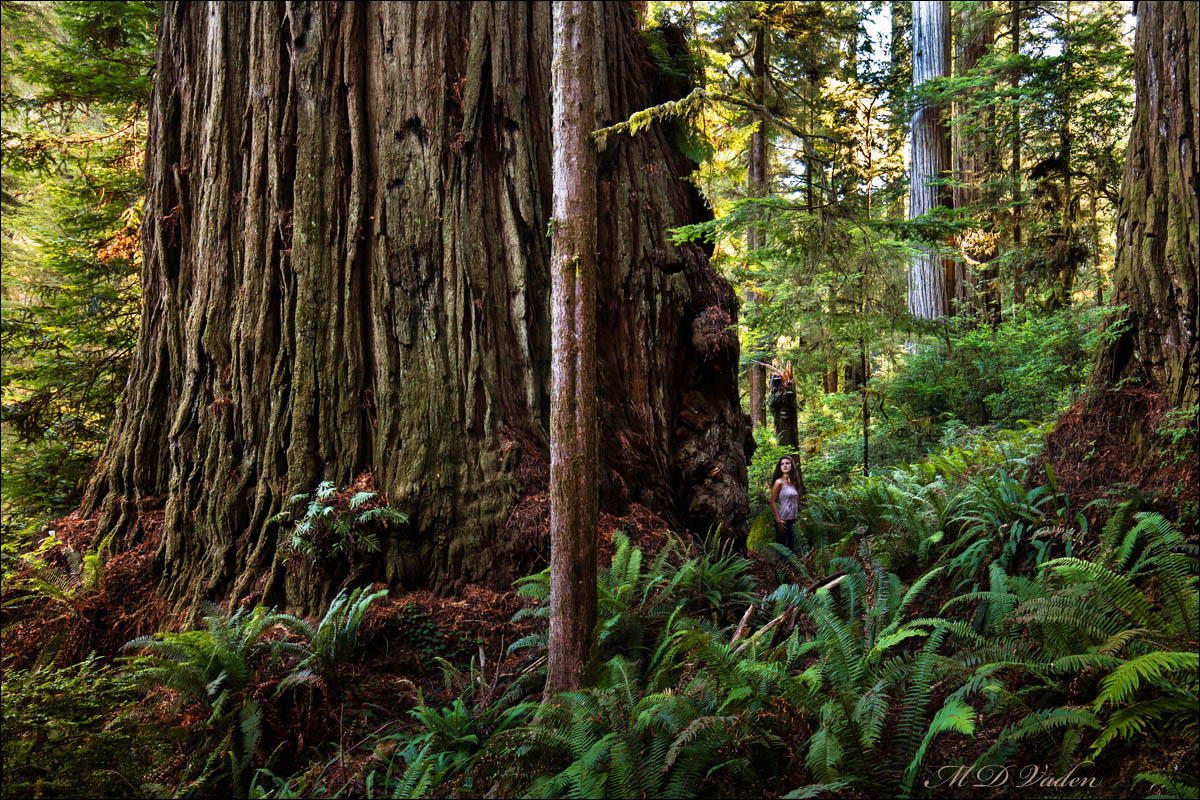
997,559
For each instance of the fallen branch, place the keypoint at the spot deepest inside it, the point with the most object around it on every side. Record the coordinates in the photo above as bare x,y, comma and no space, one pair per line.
761,631
743,625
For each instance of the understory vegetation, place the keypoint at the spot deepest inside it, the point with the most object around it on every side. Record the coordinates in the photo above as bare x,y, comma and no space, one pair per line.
955,611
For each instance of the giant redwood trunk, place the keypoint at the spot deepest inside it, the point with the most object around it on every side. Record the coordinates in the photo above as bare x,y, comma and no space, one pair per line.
347,270
756,186
1158,218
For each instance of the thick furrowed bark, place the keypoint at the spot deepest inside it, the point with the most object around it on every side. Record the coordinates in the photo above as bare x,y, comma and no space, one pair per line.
347,270
1158,219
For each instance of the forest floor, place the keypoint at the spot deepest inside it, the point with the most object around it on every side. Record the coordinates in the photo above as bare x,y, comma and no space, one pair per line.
1111,443
405,640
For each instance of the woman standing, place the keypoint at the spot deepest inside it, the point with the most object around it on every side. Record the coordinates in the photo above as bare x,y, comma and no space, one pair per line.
786,489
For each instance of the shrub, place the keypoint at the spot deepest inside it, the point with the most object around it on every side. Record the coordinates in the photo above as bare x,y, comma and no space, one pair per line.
334,640
71,732
215,668
1024,368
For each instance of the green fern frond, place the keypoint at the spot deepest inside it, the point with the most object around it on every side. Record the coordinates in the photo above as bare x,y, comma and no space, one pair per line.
1176,783
955,715
1133,720
1127,678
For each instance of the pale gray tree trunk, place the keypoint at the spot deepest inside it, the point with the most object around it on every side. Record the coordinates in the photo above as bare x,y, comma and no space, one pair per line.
574,472
930,283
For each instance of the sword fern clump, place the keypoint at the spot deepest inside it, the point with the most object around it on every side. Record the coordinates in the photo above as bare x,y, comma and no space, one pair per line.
336,523
225,667
215,667
328,645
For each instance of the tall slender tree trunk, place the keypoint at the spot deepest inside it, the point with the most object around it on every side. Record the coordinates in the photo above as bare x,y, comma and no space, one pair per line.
347,273
574,470
756,184
831,362
866,408
1158,217
900,72
1094,216
930,277
974,163
1015,175
1071,252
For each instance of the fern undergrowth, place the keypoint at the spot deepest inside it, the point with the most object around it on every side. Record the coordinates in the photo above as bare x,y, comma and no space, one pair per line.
957,612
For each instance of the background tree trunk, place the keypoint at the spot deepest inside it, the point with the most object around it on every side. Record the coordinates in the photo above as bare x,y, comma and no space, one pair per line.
975,164
899,73
930,279
347,270
756,184
574,515
1015,174
1158,219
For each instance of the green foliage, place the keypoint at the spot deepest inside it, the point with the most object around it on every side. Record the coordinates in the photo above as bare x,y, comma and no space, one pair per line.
97,53
1177,429
334,640
1058,647
35,574
448,744
225,668
635,600
1177,783
53,571
1129,653
617,741
431,639
1027,367
75,92
331,528
215,668
73,732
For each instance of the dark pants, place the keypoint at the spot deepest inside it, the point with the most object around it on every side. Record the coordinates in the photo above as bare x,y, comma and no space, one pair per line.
784,534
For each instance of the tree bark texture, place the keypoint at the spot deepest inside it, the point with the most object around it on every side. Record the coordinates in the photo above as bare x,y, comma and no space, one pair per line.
574,511
899,72
930,278
1158,217
347,269
756,185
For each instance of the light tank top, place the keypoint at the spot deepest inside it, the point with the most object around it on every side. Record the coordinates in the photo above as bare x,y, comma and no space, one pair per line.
789,501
